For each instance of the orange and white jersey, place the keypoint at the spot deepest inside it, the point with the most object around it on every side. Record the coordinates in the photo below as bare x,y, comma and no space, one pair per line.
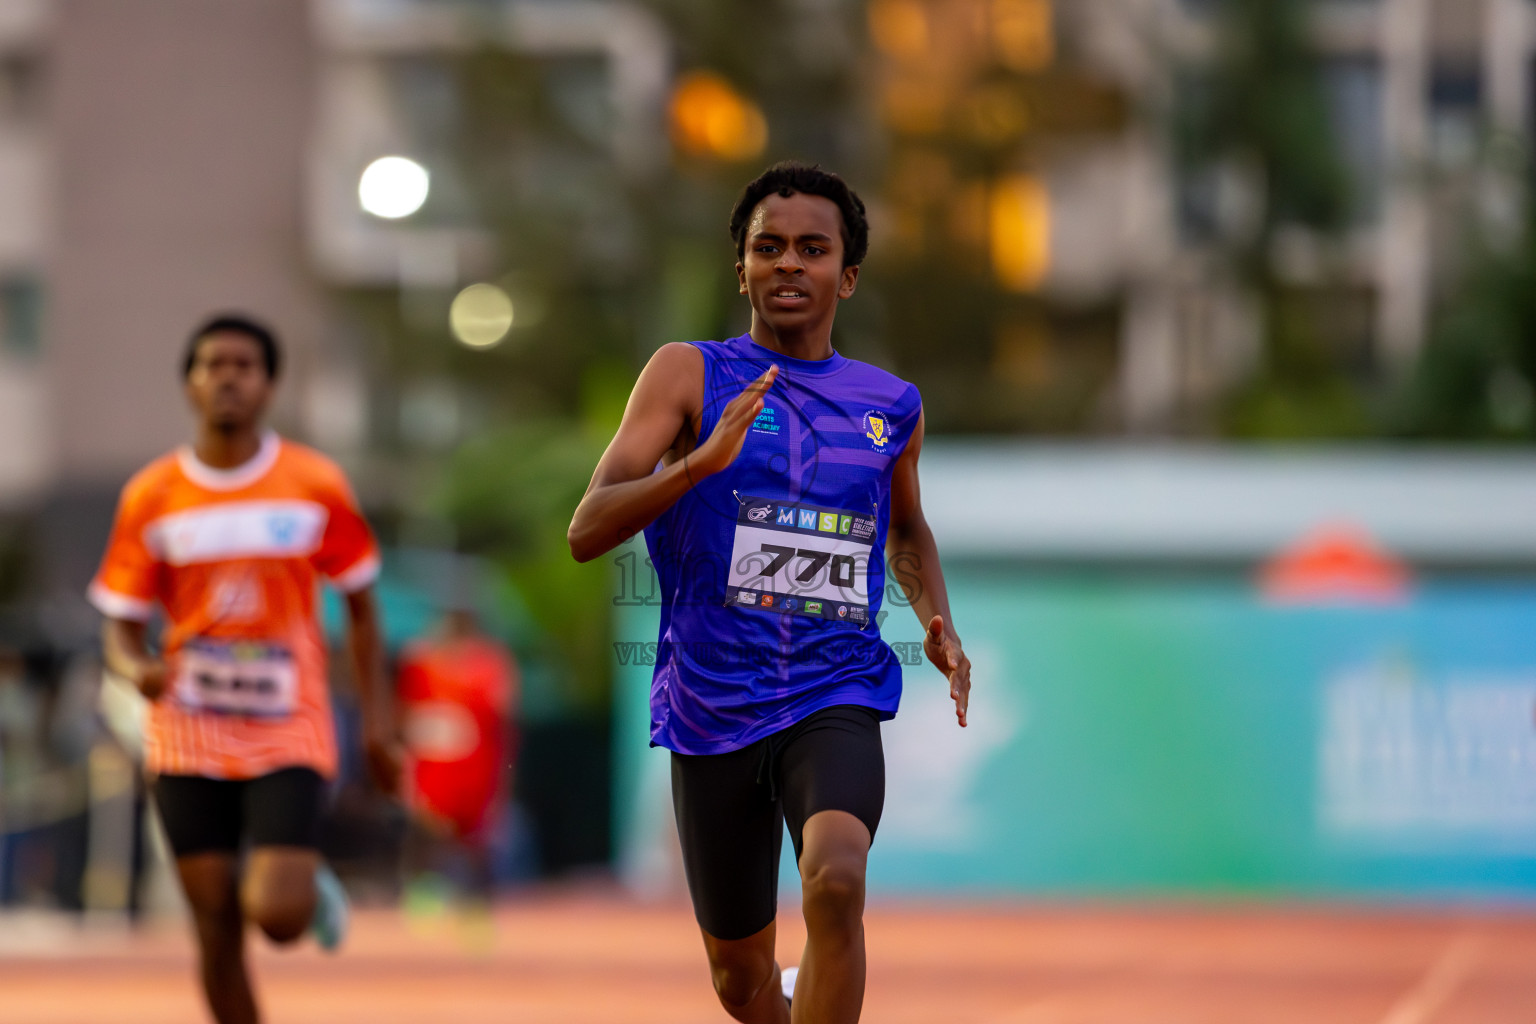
235,557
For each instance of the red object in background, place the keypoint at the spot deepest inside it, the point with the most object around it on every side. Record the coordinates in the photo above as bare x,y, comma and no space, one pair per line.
455,694
1336,563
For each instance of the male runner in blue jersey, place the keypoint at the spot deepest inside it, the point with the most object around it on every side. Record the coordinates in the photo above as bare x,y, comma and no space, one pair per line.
773,478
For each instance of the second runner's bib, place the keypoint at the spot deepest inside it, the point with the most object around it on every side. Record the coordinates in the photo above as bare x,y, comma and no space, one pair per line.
240,677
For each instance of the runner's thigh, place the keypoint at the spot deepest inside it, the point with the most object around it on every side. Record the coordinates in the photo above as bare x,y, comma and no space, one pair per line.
199,815
731,830
832,761
284,808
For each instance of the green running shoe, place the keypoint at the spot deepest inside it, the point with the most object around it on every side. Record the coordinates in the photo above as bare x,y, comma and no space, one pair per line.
332,911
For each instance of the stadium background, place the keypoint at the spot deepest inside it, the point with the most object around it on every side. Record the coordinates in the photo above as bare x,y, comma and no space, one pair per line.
1222,313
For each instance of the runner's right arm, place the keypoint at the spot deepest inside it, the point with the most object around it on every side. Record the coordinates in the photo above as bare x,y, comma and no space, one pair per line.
627,491
126,654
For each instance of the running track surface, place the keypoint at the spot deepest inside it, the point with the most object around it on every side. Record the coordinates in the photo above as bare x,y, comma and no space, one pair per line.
585,958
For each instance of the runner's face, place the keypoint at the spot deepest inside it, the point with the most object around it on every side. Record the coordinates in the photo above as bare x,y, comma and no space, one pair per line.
228,385
792,269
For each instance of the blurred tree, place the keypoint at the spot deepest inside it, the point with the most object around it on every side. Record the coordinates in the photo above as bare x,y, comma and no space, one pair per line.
1257,117
1474,379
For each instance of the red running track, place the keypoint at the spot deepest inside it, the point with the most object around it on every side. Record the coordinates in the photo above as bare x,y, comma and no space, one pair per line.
585,958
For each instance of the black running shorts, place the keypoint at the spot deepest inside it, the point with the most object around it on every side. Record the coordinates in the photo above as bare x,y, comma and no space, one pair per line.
204,815
732,808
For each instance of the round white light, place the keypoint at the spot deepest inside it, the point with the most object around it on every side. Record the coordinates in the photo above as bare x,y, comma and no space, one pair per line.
481,315
393,187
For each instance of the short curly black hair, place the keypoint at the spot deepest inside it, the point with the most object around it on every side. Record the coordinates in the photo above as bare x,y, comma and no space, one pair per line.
791,176
235,323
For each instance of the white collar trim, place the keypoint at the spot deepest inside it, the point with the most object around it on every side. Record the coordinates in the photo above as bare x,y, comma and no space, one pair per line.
247,473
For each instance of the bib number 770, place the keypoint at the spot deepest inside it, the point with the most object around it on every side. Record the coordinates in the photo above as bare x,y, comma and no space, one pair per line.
801,560
842,566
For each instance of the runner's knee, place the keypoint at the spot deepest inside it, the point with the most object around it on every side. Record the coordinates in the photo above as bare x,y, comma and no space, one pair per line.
740,968
738,982
282,917
208,879
278,893
281,911
834,885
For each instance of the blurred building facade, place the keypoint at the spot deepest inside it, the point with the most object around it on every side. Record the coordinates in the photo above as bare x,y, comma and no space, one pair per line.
1043,139
189,156
1047,259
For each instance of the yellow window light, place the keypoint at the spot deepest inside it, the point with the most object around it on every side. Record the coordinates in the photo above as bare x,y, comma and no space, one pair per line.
1024,33
899,27
1021,232
711,119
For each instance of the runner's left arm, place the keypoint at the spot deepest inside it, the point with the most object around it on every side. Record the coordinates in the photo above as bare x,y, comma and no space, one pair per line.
913,559
365,644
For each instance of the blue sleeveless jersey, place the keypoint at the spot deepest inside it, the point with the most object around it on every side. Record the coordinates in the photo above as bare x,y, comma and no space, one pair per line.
772,571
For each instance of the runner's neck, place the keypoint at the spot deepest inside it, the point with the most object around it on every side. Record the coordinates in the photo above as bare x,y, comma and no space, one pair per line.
813,346
218,449
229,478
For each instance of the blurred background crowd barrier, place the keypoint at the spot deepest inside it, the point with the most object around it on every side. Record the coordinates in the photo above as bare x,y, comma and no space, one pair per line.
1223,311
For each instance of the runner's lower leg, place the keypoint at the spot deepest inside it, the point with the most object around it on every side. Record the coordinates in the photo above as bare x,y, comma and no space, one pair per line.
830,986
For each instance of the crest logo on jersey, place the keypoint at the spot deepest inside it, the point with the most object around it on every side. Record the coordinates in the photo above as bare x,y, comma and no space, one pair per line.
878,429
282,528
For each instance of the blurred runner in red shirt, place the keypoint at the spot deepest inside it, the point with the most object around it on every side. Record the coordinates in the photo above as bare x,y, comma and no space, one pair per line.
457,691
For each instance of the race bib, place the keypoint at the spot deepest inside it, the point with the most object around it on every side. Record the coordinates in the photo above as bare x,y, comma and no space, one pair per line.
800,559
239,677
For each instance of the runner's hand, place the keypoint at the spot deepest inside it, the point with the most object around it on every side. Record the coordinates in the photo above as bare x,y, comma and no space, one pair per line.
385,755
151,676
730,432
945,653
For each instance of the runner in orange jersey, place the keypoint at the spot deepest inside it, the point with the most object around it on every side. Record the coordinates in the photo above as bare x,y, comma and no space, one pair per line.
230,536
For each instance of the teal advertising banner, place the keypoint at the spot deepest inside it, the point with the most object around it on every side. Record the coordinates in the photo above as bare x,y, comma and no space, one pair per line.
1164,736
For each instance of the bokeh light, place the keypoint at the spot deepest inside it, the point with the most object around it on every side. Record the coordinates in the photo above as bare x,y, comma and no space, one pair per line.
393,187
1021,232
711,119
481,315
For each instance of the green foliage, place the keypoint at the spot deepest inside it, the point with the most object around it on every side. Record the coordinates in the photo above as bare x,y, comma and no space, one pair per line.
510,495
1474,380
1261,105
1269,106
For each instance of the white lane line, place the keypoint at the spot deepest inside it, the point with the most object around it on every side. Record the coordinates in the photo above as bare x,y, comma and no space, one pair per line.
1450,969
